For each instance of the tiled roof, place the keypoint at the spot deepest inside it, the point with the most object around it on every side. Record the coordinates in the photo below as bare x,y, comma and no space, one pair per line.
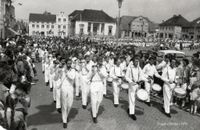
176,20
92,15
125,21
195,22
49,18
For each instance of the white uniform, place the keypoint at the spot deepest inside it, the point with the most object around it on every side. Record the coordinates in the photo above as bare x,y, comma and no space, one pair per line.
85,87
168,75
133,75
77,78
149,71
51,73
104,72
96,91
46,72
115,73
67,93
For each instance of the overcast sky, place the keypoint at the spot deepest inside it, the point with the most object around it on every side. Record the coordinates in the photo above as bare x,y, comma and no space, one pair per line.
155,10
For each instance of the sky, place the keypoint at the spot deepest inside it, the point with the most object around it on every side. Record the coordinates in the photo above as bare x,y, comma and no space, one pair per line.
155,10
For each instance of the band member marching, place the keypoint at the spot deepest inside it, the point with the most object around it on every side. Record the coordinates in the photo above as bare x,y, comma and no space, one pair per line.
169,78
150,71
133,75
116,73
96,90
85,87
67,92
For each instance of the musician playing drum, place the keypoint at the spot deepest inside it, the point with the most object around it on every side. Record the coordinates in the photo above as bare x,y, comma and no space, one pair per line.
116,73
133,76
169,78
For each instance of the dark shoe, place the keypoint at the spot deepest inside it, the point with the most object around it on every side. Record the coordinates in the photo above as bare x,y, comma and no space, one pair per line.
84,107
54,101
64,125
51,89
168,115
134,117
95,120
116,105
59,110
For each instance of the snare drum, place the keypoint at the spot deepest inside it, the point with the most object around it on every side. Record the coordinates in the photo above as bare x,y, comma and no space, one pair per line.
125,85
156,88
179,92
142,95
109,80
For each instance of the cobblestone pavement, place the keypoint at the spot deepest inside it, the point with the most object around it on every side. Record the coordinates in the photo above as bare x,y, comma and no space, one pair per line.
43,116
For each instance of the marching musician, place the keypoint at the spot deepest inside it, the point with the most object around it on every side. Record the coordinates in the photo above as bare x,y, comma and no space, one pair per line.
85,87
169,78
117,74
133,75
149,71
58,78
67,92
96,90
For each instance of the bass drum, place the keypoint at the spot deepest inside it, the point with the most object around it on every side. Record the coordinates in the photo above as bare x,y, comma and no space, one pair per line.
142,95
179,93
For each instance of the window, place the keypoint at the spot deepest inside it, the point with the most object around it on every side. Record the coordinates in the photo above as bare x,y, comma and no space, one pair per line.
59,19
42,26
38,26
64,20
59,26
47,26
52,26
110,30
64,27
33,25
89,27
81,28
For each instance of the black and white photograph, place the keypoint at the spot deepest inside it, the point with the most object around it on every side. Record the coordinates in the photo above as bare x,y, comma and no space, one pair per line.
99,64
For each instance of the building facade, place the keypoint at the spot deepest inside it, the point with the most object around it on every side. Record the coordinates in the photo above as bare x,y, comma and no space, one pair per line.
136,27
91,23
48,24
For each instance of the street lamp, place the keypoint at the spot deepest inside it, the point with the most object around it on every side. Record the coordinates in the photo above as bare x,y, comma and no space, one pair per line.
118,21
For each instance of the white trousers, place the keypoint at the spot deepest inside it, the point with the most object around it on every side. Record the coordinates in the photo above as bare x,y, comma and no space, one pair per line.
96,91
104,86
116,91
85,88
148,89
77,84
58,94
167,95
67,101
54,90
51,80
46,74
131,98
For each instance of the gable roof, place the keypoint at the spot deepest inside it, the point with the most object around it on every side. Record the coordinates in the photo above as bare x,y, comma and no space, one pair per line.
125,21
91,15
176,20
49,18
195,22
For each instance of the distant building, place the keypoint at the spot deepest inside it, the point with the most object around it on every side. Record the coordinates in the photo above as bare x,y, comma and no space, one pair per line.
92,23
192,31
136,27
173,27
48,24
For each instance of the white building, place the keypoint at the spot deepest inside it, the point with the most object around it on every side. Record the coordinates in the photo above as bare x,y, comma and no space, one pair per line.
47,24
92,23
